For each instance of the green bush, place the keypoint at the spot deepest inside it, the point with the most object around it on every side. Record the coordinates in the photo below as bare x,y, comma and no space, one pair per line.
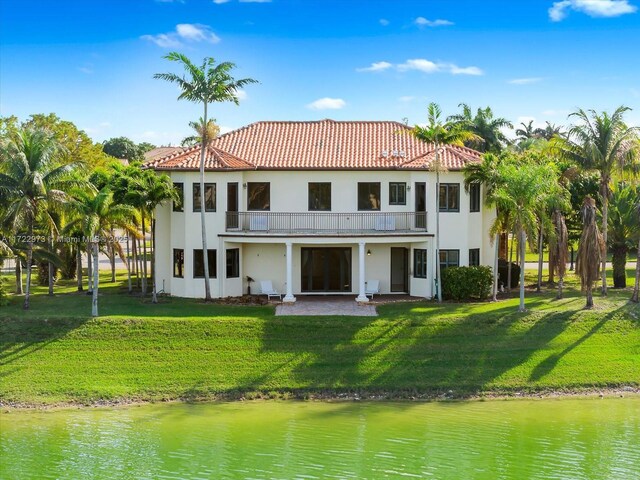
466,283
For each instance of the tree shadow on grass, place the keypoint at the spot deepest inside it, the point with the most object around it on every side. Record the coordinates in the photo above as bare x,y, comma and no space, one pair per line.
424,348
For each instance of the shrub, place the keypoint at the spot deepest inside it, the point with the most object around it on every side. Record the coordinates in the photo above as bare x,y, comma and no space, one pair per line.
466,283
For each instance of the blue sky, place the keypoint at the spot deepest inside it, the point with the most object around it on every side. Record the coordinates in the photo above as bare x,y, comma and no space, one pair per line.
92,62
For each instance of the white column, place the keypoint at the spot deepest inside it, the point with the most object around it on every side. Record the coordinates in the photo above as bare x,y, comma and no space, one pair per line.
289,298
361,275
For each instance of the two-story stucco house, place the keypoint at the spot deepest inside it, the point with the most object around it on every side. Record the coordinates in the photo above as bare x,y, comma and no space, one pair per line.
318,207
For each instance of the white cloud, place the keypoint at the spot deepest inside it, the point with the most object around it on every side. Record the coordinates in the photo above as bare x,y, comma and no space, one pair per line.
406,98
427,66
327,103
525,81
420,64
242,95
220,1
423,22
189,32
87,70
594,8
384,22
225,129
376,67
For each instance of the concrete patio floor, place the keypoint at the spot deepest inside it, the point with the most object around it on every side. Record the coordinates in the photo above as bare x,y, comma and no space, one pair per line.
337,305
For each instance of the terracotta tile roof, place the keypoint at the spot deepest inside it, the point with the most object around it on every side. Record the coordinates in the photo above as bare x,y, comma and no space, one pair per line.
324,145
160,152
189,159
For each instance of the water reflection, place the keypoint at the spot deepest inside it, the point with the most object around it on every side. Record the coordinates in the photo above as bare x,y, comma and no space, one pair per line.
572,439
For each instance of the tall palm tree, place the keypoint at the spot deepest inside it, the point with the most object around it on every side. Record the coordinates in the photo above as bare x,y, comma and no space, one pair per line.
604,143
549,131
97,215
591,250
487,173
440,133
623,228
205,84
486,127
524,187
32,183
559,249
636,288
148,191
212,132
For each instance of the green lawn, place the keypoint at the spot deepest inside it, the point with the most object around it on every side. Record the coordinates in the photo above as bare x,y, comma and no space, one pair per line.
189,350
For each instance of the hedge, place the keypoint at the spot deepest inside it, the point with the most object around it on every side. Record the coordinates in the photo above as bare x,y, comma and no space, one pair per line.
466,283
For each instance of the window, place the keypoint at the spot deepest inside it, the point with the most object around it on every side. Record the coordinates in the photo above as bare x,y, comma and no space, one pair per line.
233,263
397,193
178,263
198,263
209,197
449,258
449,197
420,263
259,196
474,257
474,197
369,196
178,205
319,196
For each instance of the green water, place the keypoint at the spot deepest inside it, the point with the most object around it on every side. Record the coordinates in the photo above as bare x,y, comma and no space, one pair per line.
544,439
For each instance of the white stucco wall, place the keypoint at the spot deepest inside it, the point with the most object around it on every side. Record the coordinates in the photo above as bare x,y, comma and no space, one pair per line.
289,193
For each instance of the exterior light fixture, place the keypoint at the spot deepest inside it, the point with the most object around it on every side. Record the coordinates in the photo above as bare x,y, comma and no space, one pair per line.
369,253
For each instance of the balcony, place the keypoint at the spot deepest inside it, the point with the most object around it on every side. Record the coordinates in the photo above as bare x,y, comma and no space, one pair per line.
326,223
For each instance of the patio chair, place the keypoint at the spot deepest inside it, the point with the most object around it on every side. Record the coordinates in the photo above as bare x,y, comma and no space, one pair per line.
371,287
267,289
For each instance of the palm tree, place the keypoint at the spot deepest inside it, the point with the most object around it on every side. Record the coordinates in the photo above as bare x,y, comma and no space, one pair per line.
636,288
440,133
623,227
32,184
486,127
148,191
524,187
559,249
527,131
591,250
603,143
97,215
206,84
213,130
487,173
549,131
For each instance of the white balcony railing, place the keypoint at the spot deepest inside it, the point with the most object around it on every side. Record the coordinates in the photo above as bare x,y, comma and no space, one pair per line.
326,222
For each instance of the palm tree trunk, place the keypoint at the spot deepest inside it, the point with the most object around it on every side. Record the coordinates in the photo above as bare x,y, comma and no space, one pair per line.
523,242
540,259
19,289
112,258
144,260
134,248
154,294
50,272
589,296
128,267
619,261
513,241
605,223
89,269
205,252
79,267
438,269
560,287
29,260
96,280
495,269
636,289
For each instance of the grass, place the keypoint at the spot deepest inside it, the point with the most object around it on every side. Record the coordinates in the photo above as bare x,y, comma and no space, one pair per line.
185,349
532,257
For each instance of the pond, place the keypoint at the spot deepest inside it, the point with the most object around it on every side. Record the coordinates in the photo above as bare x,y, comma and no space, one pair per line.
533,439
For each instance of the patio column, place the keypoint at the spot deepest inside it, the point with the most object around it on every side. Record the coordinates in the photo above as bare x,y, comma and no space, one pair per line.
362,297
289,298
